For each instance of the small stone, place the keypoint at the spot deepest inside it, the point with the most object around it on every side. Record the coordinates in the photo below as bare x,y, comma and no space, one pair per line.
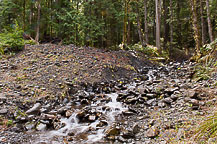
150,96
3,111
161,104
35,109
194,102
136,128
3,97
174,97
212,140
168,100
92,118
152,132
41,127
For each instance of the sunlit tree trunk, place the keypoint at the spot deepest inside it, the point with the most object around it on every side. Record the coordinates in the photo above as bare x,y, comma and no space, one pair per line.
209,21
157,5
195,27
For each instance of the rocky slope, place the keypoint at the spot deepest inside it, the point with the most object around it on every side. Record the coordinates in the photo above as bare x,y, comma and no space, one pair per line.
66,94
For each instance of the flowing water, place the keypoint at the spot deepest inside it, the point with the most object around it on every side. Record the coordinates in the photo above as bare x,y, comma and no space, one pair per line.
91,130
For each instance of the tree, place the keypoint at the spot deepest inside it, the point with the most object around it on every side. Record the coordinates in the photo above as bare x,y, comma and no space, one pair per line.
209,21
38,21
203,27
157,7
145,21
195,27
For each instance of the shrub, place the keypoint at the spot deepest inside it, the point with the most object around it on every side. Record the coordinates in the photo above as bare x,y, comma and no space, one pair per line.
11,40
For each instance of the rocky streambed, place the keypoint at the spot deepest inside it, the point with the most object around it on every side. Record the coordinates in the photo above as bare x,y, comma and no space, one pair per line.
160,104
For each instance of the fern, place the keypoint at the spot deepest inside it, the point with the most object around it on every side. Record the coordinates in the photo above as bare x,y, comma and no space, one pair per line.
208,129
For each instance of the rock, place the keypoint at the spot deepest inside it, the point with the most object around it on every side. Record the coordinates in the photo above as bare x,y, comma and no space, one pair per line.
3,97
212,140
151,102
112,131
29,126
193,94
35,109
168,100
161,104
127,134
150,95
3,111
194,102
136,128
41,127
92,118
171,90
174,97
152,132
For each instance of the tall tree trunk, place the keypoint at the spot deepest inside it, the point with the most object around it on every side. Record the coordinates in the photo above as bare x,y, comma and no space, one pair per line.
24,14
179,26
202,23
157,24
209,21
38,22
166,26
125,22
171,24
141,39
146,22
195,27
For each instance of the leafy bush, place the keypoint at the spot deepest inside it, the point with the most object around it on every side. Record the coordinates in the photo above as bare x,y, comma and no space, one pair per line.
12,40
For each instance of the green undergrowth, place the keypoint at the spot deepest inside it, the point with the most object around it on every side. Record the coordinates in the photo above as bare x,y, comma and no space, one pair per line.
151,51
203,71
11,40
207,129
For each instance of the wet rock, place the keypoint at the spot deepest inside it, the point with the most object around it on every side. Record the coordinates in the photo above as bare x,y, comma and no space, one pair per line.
102,123
29,126
127,134
113,131
41,127
35,109
152,132
92,118
122,139
3,111
128,113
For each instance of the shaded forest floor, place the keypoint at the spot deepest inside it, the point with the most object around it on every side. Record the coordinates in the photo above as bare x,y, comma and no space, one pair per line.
47,71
